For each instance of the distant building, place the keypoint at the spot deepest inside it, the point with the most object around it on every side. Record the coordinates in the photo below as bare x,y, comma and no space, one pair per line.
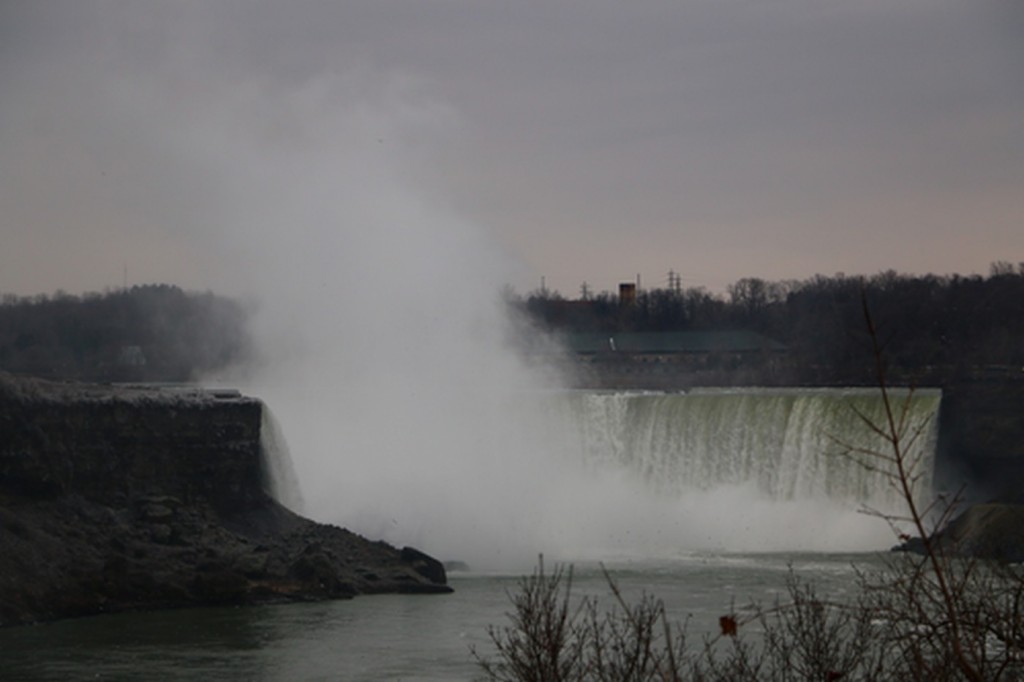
627,293
669,346
675,359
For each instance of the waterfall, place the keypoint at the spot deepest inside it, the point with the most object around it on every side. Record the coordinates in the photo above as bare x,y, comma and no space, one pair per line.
279,479
596,475
787,444
644,474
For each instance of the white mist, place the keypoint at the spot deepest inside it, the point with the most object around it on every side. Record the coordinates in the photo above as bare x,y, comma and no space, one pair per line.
192,149
385,356
383,341
383,350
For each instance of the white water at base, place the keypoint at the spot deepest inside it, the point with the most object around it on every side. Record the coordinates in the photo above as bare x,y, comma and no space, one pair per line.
734,470
615,475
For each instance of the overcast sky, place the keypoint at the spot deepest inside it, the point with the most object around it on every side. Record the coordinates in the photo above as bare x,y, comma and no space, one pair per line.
579,140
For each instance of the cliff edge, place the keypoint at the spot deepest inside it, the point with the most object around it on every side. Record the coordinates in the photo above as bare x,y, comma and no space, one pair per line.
116,497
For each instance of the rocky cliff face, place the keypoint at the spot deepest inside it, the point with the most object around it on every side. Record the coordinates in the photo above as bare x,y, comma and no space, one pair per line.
124,498
981,438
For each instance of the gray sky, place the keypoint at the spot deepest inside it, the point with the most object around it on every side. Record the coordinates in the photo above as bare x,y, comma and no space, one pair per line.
195,142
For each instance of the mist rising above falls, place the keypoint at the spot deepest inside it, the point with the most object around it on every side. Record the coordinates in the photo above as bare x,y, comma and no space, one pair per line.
582,474
383,351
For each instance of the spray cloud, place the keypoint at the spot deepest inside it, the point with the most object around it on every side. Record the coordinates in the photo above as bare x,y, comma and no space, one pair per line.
176,140
382,331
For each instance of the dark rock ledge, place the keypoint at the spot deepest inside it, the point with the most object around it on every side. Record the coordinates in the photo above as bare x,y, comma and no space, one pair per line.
119,498
992,530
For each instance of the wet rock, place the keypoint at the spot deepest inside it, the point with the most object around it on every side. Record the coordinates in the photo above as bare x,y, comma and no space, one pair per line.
984,531
427,566
111,502
161,533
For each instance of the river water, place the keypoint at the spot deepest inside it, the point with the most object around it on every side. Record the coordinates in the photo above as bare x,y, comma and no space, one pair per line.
387,637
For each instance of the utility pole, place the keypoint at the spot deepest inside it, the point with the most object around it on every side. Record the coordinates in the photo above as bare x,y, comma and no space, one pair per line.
585,291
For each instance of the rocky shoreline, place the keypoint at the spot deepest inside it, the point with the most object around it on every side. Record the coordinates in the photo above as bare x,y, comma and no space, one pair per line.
115,499
990,530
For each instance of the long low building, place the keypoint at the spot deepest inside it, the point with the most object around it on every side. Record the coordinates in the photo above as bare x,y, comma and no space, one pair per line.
660,360
672,345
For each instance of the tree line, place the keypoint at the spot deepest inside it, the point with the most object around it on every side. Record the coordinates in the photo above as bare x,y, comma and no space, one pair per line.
938,324
154,332
931,324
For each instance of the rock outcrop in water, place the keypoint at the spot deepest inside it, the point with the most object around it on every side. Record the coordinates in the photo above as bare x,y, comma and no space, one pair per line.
992,530
118,498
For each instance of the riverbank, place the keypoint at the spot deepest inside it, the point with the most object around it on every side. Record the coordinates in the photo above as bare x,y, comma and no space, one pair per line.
127,498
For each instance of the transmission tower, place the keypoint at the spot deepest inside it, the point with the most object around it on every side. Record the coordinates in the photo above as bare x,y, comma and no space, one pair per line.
675,282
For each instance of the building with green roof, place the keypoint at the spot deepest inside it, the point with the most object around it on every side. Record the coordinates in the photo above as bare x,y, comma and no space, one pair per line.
670,360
